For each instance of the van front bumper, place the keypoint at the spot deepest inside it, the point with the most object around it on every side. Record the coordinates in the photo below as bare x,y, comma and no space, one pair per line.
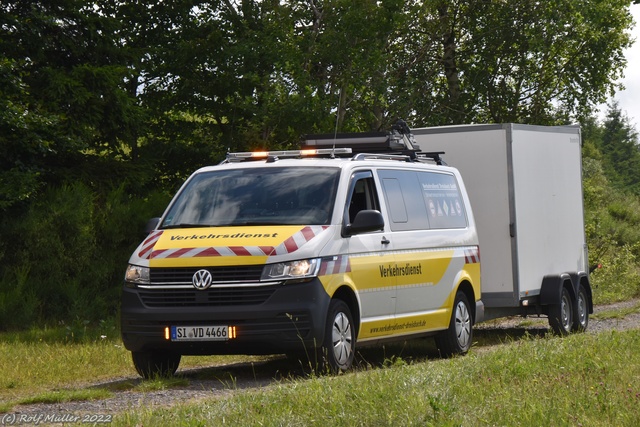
291,318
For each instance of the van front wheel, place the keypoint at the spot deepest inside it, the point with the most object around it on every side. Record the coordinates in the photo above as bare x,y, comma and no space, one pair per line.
339,341
151,364
458,337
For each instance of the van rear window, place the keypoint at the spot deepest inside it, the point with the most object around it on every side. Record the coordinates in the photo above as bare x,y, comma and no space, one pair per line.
419,200
280,196
445,208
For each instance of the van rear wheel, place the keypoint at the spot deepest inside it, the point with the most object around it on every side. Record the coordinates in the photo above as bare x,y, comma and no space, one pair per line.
151,364
458,337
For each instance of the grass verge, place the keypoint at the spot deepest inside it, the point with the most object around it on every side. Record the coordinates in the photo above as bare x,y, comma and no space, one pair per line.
61,396
583,379
50,364
619,313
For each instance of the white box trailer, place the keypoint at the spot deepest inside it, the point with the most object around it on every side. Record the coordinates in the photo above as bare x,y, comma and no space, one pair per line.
525,187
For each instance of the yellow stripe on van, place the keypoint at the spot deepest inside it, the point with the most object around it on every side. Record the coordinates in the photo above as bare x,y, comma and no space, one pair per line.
225,245
424,322
425,268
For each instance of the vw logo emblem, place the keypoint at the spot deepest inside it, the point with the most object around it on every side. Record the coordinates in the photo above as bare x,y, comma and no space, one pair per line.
202,279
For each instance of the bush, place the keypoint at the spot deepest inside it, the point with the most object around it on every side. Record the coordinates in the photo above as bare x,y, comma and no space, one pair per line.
18,302
64,256
613,235
618,278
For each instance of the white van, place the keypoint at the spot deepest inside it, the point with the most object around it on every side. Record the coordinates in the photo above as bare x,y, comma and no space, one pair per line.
320,249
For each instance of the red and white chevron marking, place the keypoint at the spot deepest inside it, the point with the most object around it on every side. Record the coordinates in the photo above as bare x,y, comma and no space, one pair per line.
290,245
149,243
336,265
210,251
296,241
472,255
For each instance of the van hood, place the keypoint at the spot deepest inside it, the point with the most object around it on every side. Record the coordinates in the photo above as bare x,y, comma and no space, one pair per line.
224,245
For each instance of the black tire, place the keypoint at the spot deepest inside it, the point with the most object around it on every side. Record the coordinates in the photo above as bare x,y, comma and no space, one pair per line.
581,312
338,348
561,314
457,339
152,364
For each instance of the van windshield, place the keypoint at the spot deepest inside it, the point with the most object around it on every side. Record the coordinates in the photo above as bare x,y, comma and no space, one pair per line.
282,196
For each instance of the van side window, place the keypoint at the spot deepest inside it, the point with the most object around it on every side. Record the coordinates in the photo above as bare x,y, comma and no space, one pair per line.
404,200
363,195
422,200
443,200
395,200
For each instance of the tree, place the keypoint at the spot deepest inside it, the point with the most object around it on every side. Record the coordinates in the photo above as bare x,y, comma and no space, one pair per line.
63,74
621,151
518,61
25,139
346,53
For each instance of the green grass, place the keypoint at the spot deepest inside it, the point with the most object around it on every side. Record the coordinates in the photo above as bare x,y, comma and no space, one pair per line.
158,384
28,368
508,379
581,380
61,396
617,313
46,363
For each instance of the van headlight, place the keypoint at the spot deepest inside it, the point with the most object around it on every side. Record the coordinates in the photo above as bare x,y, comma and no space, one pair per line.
292,270
137,274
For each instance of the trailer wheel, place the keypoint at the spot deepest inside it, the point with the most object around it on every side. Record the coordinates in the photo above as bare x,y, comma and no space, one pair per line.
151,364
338,348
581,315
458,337
561,314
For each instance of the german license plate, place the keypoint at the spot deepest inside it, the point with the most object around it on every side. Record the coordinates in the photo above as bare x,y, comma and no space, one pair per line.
199,333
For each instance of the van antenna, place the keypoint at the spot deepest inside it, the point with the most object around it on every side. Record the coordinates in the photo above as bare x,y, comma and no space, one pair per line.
335,131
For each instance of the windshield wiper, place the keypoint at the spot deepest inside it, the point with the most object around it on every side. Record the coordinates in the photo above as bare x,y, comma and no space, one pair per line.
185,225
231,224
242,223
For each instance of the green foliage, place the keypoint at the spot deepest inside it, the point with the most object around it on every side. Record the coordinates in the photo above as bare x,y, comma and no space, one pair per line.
18,301
612,211
64,256
618,279
26,139
621,152
106,107
512,61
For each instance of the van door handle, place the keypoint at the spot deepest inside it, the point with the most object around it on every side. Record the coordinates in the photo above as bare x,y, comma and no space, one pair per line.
385,241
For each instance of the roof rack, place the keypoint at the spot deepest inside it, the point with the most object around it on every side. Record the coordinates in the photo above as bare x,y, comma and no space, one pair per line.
398,144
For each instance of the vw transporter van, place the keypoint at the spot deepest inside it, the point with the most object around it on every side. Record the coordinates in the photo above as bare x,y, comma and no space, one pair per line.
354,240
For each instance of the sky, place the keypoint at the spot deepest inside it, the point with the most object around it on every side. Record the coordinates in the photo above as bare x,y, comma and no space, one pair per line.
629,99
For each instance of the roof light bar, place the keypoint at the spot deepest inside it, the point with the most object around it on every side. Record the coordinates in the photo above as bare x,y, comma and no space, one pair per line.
249,155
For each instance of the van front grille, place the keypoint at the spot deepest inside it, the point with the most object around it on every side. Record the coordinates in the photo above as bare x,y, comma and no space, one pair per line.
229,274
212,297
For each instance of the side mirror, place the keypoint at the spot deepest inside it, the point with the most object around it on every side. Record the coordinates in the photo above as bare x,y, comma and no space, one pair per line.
151,225
366,221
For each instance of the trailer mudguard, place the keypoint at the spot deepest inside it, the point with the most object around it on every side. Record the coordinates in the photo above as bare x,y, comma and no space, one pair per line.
551,289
